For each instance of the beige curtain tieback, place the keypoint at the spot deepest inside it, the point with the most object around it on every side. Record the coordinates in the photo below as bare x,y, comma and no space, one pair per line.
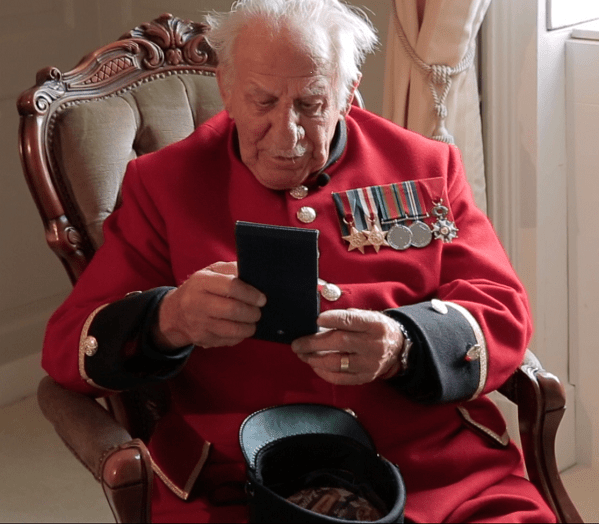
440,79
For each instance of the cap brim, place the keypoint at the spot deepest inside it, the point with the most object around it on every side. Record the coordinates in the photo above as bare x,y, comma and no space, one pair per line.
275,423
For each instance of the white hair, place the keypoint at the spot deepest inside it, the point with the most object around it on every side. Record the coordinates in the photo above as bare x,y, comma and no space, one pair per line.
333,31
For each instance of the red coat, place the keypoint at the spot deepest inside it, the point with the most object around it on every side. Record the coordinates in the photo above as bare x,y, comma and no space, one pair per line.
178,214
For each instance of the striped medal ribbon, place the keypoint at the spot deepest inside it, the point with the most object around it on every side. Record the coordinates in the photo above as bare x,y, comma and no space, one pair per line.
369,205
399,236
357,239
421,233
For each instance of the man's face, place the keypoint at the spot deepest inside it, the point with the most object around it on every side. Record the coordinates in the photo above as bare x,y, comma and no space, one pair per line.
284,104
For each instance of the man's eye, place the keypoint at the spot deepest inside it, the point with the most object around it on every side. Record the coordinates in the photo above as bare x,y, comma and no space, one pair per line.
263,104
310,108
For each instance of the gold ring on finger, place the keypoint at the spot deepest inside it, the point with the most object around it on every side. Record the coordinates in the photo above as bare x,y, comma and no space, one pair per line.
344,367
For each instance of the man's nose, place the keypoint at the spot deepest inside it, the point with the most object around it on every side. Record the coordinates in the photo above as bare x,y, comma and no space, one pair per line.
286,128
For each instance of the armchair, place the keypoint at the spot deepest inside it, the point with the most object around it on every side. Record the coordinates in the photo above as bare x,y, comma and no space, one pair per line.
78,131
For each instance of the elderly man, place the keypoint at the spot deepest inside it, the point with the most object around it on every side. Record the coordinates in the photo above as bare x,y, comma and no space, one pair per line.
422,313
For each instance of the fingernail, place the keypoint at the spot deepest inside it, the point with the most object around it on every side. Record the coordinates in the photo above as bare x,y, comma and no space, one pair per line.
261,301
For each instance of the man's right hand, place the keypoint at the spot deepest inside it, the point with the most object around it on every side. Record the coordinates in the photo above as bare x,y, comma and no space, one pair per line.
210,309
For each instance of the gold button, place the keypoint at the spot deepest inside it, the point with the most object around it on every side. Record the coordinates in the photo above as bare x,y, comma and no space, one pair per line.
306,215
299,192
331,292
90,346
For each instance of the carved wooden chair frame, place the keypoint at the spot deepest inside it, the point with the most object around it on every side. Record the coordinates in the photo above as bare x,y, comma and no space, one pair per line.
165,46
111,443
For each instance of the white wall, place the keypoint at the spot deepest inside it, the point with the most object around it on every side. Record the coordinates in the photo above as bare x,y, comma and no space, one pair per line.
39,33
542,196
524,105
33,34
582,67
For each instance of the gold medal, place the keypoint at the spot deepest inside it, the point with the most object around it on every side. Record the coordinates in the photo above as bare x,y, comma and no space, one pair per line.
376,237
356,239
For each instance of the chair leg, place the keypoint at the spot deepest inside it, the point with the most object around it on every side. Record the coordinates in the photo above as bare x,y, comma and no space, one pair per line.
541,405
546,470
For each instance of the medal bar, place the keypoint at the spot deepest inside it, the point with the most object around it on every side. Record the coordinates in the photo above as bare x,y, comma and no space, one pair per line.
377,216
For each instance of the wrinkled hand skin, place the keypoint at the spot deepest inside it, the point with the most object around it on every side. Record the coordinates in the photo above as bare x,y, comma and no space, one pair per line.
371,340
212,308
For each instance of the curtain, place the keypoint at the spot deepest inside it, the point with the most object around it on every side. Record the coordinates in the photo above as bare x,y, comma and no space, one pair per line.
430,76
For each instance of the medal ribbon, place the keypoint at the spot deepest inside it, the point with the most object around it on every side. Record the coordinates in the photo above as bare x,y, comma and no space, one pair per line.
368,205
348,214
392,206
373,205
360,209
415,209
342,214
363,207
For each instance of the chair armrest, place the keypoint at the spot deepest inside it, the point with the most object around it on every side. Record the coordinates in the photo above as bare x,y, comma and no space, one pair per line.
550,391
541,402
121,464
87,429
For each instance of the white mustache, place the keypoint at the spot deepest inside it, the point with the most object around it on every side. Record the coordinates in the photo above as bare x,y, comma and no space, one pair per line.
298,150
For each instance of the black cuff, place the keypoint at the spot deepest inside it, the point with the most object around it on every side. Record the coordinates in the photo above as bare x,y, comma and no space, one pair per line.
148,346
127,356
438,369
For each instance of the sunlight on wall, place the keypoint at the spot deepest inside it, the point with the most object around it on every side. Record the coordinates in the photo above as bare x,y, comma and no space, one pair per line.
562,13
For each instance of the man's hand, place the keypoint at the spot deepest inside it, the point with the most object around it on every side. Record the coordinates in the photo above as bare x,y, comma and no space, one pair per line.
212,308
366,343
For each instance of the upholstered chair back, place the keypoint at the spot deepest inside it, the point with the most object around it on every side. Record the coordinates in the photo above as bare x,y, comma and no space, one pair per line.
79,129
93,141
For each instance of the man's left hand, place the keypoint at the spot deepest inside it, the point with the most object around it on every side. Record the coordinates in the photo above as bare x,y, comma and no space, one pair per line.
354,347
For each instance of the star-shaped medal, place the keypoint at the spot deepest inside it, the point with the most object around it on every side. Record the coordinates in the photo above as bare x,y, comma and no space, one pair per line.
445,230
356,240
376,237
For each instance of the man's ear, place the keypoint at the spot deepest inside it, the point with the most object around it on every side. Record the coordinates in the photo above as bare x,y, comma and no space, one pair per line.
352,93
224,90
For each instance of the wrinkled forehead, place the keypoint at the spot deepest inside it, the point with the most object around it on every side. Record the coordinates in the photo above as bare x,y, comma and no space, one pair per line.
285,52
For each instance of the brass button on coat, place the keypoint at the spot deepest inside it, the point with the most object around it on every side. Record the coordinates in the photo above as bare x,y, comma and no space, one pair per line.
299,192
90,346
331,292
307,215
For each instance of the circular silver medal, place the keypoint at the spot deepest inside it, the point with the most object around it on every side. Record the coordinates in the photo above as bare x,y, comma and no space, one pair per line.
421,234
399,237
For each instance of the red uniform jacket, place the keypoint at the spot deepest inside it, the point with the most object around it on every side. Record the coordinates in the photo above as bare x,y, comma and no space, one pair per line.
179,207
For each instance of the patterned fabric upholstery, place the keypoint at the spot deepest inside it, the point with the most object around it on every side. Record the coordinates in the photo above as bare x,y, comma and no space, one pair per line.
143,119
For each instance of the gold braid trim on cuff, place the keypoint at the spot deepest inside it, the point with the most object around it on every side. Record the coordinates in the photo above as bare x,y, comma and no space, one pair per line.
88,346
482,342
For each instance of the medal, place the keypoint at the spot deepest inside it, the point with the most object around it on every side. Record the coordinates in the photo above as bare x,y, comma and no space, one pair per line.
356,238
391,215
443,229
421,234
399,237
375,236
